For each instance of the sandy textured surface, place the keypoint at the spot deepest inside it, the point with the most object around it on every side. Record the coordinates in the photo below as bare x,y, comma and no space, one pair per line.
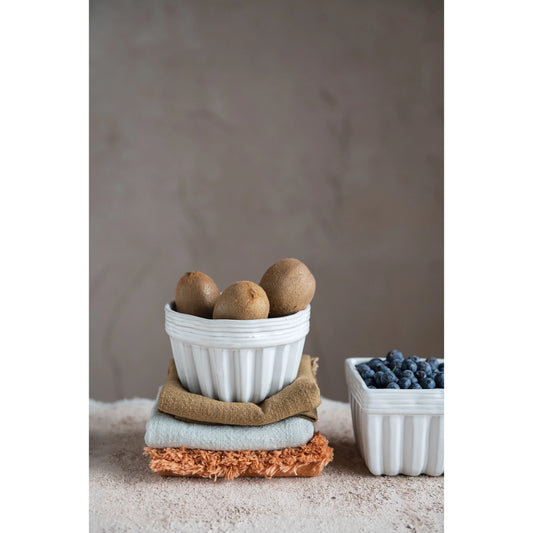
125,495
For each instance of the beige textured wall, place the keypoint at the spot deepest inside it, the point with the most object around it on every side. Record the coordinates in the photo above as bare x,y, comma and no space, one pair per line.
226,135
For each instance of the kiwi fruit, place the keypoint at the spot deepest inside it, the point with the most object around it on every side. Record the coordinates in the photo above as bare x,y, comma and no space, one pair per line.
243,300
196,294
289,285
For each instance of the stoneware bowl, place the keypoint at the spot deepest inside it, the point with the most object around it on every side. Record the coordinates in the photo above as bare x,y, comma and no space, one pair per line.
236,360
397,431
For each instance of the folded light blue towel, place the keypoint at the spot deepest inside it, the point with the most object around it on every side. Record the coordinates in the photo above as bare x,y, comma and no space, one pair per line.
165,431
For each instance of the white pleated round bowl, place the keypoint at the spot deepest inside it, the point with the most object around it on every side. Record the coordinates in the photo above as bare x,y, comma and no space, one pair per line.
236,360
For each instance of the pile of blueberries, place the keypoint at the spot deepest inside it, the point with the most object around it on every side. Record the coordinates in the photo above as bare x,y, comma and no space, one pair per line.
395,372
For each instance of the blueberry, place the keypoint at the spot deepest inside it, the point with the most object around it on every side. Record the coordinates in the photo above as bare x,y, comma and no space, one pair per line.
433,362
375,364
365,371
427,383
398,372
439,380
392,385
414,358
409,365
391,373
394,355
420,374
409,374
441,367
369,381
395,364
379,377
372,387
404,383
424,367
382,379
415,386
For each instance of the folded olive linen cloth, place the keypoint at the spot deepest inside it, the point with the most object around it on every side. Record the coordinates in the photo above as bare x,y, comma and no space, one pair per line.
302,461
300,398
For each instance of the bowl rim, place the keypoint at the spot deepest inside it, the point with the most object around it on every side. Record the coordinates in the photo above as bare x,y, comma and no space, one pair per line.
362,360
388,401
170,307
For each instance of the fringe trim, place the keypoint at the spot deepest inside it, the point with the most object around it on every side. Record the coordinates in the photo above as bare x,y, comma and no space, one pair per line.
303,461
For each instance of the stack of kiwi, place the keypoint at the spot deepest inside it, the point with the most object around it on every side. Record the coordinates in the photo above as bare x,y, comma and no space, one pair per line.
285,288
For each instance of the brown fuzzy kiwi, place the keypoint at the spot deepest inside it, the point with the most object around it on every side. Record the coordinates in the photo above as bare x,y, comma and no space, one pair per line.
289,285
196,294
243,300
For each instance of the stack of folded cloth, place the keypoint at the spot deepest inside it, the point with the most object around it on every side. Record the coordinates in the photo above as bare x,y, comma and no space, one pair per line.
195,436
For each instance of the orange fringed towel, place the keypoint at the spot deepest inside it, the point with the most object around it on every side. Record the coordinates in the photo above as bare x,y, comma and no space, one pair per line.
303,461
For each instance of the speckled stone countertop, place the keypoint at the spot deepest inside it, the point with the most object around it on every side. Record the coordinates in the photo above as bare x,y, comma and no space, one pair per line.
126,496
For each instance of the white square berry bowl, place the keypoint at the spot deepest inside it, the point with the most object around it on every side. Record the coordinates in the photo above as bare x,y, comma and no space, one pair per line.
397,431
